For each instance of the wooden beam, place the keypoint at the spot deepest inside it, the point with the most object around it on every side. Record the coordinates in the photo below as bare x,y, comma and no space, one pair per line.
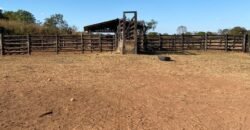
115,45
82,42
182,41
205,46
244,44
91,43
123,34
100,42
135,33
115,42
160,41
248,41
28,44
57,43
226,43
2,44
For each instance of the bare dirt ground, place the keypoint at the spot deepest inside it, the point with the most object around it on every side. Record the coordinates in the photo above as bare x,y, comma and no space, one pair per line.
204,91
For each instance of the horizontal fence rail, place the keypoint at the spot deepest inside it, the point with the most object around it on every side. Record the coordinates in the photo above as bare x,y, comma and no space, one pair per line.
25,44
193,42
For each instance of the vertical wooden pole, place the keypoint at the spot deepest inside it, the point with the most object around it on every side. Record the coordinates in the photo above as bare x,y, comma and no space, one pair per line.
244,44
28,44
123,34
135,34
145,42
205,45
226,43
1,44
82,42
248,43
142,42
57,38
182,41
100,42
160,41
115,42
91,42
174,46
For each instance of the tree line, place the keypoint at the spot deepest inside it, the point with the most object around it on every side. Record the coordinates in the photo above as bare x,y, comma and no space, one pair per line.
233,31
183,30
24,22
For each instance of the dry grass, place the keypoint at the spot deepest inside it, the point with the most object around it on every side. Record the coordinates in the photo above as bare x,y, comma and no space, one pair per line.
203,91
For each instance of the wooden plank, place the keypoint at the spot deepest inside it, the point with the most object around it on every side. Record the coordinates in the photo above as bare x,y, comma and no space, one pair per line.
205,46
160,41
135,33
248,43
15,48
57,44
244,44
45,47
16,43
82,42
226,43
28,44
2,44
100,42
182,41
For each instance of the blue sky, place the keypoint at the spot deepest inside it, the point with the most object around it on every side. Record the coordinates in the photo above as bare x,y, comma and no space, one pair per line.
197,15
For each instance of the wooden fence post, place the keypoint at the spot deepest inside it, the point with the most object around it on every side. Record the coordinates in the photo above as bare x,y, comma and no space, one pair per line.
100,42
248,41
82,42
244,44
226,43
1,44
135,34
57,38
115,42
160,41
28,44
205,45
182,41
91,43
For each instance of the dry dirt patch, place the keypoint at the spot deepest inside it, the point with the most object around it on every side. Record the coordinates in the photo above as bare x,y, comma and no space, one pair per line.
107,91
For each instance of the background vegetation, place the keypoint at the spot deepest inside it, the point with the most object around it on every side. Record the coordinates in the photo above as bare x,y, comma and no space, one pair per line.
24,22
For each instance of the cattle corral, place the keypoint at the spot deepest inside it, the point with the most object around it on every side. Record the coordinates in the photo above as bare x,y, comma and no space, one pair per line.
198,90
125,35
196,82
26,44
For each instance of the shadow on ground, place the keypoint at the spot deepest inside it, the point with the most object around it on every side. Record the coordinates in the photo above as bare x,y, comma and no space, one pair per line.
169,52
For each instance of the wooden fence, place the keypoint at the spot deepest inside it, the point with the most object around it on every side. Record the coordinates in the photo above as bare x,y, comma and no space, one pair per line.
195,42
26,44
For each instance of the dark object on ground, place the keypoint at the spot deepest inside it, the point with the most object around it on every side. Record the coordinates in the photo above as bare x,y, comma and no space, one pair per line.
47,113
164,58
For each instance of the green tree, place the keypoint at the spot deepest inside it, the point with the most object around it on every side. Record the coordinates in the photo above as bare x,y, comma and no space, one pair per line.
200,33
238,31
153,33
150,25
223,31
211,33
56,24
20,15
188,33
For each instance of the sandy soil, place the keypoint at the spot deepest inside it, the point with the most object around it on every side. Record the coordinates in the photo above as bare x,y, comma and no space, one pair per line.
198,91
